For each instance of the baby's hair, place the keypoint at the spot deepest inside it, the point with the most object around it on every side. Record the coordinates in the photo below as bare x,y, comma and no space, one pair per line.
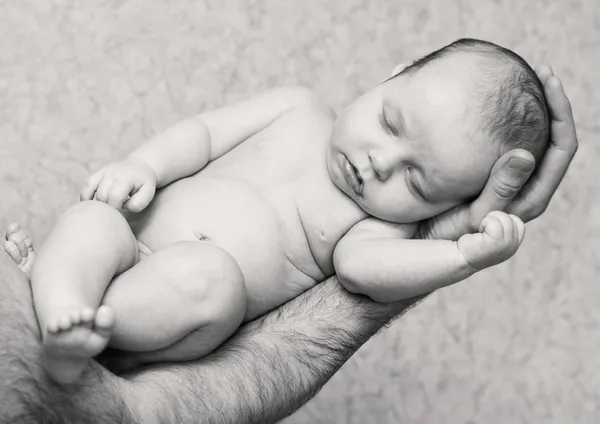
513,104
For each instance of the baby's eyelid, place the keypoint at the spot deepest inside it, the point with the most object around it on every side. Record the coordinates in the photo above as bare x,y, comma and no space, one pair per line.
415,187
385,123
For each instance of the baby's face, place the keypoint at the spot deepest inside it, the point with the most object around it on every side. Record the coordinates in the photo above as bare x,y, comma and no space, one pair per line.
409,149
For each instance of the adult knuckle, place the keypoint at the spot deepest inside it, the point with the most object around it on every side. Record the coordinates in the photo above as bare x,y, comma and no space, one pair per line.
575,147
506,189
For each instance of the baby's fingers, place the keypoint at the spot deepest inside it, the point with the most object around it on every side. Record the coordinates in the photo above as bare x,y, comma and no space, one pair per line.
118,194
495,225
140,199
504,228
90,186
104,189
499,238
519,227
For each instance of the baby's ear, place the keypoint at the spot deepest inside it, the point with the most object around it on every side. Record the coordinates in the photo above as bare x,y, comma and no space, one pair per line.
399,68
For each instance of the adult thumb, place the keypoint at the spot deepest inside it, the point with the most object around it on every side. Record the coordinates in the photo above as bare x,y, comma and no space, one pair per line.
507,177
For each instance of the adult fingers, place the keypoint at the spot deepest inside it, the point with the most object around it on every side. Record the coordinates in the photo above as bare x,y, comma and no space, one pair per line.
563,144
508,175
544,72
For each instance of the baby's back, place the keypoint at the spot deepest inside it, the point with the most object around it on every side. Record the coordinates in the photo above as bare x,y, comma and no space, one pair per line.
246,202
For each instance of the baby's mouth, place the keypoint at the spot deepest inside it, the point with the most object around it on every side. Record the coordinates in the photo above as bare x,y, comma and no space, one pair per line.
352,176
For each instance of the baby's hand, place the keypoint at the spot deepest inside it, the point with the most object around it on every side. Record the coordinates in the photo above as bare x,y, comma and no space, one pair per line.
128,185
499,238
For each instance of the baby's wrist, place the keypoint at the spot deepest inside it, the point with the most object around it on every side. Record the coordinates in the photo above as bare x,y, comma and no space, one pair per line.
466,265
144,162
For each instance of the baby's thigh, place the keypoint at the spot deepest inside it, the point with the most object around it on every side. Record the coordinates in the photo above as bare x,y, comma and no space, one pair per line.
174,291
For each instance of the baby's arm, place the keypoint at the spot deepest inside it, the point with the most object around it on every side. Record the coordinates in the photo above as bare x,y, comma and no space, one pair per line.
189,145
379,259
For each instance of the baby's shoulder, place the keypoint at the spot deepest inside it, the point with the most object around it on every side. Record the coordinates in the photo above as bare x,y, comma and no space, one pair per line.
306,101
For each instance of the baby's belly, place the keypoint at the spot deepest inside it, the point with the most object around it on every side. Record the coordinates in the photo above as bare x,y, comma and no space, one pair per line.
238,218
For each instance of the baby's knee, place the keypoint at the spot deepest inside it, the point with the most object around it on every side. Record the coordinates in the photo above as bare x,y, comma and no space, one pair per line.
92,206
209,276
100,213
102,224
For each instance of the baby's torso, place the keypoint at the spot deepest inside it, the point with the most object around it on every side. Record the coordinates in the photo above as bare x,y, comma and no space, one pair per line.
269,203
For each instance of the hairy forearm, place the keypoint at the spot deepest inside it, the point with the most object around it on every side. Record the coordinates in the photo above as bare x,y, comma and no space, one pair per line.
272,366
178,152
390,269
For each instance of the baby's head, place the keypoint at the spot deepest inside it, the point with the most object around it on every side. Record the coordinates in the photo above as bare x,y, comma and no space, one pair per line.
426,139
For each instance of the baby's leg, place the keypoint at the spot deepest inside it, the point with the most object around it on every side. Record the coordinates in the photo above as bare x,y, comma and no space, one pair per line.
178,304
91,243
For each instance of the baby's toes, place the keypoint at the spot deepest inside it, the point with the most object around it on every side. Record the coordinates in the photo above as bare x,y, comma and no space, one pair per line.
19,240
67,319
81,317
87,315
105,320
77,318
58,324
11,229
13,251
64,323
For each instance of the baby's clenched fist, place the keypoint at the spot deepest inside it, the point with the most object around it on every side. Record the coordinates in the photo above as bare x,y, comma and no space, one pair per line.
128,185
499,237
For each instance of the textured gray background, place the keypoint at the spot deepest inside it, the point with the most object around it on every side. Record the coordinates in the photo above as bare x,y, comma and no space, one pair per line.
83,82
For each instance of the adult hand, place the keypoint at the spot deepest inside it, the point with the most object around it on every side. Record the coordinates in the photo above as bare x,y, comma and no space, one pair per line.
510,187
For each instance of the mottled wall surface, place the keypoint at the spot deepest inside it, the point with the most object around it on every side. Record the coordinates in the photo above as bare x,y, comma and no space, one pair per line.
84,82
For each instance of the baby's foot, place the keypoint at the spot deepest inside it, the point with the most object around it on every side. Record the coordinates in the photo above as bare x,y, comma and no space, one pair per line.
74,336
19,247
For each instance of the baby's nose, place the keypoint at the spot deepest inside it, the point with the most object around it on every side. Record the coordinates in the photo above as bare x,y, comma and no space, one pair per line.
383,162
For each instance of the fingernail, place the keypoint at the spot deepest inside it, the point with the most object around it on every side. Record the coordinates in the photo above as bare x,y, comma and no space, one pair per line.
518,164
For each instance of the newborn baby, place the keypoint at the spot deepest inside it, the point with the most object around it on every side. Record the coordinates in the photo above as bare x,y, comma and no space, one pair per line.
287,196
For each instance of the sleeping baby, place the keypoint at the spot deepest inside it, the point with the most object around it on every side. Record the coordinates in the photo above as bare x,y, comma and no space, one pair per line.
233,212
